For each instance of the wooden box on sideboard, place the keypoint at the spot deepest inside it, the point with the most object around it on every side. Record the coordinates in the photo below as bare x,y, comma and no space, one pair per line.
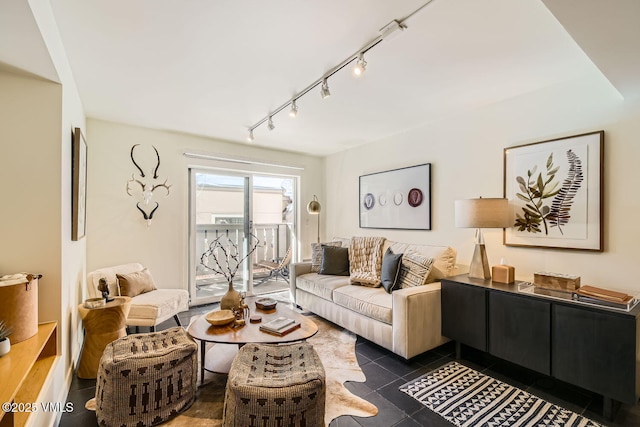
565,282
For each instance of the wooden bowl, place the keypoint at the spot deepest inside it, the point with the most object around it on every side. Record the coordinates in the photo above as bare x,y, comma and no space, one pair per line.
220,317
266,303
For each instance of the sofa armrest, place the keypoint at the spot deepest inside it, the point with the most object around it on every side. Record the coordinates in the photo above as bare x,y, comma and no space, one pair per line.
417,325
297,269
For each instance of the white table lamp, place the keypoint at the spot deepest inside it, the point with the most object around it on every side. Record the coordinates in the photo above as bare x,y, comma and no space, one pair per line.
481,213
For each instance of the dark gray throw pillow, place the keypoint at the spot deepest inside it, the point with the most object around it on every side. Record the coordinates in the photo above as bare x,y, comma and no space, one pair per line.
391,271
335,261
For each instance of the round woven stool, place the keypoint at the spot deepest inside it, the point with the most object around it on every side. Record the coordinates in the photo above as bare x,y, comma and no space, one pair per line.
275,385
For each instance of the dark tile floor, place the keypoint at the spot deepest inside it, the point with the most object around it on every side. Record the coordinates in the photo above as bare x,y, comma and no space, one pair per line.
386,372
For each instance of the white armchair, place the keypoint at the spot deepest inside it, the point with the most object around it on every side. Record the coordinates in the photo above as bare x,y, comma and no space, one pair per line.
147,309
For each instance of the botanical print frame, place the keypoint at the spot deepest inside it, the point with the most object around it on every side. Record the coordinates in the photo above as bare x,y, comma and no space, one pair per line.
398,198
555,188
79,185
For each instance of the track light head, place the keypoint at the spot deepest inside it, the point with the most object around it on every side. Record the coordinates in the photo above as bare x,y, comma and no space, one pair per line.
324,91
250,136
270,124
361,65
294,109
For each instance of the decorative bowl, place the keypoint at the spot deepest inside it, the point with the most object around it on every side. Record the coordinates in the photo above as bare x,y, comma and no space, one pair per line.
220,317
266,303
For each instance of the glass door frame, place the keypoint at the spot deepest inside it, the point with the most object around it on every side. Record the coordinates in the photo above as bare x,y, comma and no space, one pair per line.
248,221
247,272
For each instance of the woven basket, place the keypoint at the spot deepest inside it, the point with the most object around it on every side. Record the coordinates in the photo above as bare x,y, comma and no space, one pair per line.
146,379
272,385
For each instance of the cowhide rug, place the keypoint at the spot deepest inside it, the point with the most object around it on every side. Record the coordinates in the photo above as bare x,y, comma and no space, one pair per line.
336,348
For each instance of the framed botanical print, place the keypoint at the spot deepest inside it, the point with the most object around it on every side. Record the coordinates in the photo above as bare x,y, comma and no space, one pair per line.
555,189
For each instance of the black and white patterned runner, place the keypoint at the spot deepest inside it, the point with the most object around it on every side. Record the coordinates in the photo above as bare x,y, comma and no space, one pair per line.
468,398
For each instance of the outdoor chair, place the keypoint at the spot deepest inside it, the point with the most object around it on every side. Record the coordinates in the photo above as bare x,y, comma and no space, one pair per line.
276,269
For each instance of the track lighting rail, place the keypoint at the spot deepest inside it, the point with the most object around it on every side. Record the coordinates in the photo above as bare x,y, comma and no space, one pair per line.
384,32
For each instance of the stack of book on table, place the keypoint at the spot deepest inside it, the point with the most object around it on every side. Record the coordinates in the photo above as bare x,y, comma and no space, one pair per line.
280,326
605,297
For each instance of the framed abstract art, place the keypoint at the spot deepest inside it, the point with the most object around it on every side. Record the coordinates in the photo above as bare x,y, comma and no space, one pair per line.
398,198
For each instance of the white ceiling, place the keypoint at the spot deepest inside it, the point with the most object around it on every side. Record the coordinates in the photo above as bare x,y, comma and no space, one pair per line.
214,68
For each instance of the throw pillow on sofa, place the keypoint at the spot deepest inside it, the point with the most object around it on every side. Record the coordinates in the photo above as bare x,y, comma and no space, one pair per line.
134,284
390,275
316,254
335,261
365,260
415,270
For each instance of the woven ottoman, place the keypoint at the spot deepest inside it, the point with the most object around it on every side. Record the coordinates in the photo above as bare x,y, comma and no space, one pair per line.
146,379
275,385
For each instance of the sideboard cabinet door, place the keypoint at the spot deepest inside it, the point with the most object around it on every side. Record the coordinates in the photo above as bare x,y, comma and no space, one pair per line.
595,350
520,330
464,314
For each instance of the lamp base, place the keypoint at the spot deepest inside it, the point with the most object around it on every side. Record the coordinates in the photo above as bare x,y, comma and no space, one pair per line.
479,268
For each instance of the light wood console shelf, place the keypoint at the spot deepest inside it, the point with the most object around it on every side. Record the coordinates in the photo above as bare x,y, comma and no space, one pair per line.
24,370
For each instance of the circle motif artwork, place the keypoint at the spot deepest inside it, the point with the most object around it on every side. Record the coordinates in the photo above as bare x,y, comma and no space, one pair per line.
369,201
382,199
397,198
415,197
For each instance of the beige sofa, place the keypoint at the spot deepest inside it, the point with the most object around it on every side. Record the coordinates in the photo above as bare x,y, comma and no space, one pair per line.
407,321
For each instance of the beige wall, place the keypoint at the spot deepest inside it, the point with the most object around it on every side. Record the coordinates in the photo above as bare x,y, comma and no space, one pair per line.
116,231
36,121
466,153
30,175
35,222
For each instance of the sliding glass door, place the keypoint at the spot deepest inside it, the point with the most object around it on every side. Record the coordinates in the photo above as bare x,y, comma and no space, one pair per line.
221,227
229,214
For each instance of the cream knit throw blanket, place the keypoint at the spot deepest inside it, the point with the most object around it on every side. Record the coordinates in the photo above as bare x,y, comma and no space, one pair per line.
365,260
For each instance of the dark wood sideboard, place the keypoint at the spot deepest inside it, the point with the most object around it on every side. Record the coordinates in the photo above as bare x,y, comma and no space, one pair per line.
590,346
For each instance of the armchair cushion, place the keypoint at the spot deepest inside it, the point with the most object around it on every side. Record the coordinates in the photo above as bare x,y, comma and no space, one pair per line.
109,273
134,284
159,304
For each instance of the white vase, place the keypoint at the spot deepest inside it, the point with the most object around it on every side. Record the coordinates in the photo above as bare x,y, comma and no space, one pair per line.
5,346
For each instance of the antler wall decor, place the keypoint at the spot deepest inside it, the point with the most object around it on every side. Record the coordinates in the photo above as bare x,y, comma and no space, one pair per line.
146,187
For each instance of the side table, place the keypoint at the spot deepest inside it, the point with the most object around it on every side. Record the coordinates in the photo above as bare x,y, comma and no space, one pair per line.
102,325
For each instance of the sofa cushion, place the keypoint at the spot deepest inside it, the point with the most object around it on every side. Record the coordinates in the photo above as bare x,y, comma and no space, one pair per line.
158,304
390,275
415,270
335,260
444,258
136,283
365,260
375,303
316,254
321,285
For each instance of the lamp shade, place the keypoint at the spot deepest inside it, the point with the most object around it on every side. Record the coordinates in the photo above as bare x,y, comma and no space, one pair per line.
482,213
314,206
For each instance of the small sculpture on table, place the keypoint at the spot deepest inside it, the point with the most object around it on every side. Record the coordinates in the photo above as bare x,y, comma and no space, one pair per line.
104,288
242,312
